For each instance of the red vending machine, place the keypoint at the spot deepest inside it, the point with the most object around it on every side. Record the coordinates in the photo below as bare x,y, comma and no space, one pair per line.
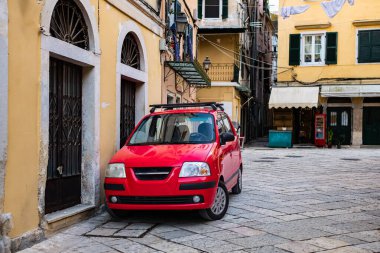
320,130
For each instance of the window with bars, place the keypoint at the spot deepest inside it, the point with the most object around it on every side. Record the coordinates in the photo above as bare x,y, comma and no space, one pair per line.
333,118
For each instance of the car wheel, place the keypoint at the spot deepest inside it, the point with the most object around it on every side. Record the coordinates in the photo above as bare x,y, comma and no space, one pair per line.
239,184
115,213
220,205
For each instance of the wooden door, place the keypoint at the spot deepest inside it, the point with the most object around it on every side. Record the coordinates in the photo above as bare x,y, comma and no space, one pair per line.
339,120
371,125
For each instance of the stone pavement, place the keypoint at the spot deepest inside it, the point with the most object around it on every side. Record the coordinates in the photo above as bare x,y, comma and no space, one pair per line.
293,200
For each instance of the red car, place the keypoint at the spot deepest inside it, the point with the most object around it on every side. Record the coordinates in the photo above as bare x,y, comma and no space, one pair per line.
185,157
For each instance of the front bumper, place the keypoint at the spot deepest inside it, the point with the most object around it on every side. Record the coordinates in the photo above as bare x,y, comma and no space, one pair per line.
172,193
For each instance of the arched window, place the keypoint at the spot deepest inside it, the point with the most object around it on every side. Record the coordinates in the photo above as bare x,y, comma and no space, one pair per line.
68,24
130,54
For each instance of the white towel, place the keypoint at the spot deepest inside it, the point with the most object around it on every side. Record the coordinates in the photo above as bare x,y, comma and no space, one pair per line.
332,8
292,10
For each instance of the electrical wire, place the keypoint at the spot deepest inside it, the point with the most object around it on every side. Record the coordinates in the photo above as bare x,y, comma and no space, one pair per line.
234,52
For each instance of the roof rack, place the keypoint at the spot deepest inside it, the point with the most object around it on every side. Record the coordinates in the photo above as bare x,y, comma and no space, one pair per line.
213,105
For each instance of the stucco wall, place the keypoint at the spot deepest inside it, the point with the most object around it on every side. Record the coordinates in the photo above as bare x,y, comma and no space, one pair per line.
220,94
347,44
215,54
23,166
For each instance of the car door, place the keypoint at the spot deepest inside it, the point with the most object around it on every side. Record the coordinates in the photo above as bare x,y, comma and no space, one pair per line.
227,149
225,152
235,147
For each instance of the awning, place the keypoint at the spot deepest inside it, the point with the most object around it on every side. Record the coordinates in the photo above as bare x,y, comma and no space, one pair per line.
288,97
367,90
191,72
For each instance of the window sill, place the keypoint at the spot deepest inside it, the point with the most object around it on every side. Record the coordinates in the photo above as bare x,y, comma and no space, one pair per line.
313,65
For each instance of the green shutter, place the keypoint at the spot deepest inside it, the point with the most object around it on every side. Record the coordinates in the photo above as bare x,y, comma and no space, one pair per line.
200,9
225,9
364,47
375,46
294,49
331,48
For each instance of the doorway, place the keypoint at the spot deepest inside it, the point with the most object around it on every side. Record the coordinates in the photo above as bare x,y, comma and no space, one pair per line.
127,110
339,120
63,185
371,125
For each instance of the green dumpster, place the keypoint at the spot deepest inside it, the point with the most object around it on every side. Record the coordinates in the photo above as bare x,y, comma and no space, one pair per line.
280,139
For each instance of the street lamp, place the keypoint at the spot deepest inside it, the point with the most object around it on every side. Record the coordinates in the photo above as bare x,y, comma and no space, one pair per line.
206,64
181,23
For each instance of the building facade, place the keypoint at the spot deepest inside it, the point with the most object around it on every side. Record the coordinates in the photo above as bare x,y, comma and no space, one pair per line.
259,36
329,63
73,84
220,41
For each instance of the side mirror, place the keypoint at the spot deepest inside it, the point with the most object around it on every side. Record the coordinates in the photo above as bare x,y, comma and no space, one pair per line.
226,137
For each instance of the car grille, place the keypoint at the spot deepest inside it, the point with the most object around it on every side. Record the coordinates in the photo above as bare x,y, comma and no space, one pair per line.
152,173
157,200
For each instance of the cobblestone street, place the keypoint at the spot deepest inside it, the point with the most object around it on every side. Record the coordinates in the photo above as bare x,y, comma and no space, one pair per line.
293,200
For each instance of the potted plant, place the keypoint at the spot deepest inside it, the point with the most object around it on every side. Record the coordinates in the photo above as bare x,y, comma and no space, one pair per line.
330,135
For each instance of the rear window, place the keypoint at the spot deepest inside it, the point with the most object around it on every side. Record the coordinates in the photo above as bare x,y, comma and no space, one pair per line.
181,128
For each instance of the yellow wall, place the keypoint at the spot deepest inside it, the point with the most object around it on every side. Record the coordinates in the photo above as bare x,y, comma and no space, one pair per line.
347,45
111,18
22,171
219,94
21,196
227,41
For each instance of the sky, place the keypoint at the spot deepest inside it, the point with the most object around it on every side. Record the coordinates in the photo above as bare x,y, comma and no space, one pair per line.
273,5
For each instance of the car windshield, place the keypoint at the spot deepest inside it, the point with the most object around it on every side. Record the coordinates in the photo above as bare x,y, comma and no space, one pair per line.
181,128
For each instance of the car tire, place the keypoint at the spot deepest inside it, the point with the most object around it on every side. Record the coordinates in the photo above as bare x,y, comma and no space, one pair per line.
115,213
220,204
239,184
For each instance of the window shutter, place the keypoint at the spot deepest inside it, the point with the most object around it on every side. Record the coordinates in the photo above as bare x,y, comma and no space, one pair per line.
364,47
177,8
331,48
200,9
225,9
375,46
294,49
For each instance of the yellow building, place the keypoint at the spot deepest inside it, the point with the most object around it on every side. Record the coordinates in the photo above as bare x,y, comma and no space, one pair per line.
220,26
329,62
75,78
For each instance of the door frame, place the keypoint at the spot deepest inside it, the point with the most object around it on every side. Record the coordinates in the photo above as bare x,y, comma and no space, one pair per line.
89,60
140,77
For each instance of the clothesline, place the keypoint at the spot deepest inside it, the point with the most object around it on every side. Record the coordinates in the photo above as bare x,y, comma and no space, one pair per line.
331,8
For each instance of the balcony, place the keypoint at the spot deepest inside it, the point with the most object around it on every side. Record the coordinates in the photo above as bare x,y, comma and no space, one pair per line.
223,72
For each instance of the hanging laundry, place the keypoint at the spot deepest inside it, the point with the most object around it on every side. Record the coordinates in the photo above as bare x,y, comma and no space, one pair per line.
292,10
333,7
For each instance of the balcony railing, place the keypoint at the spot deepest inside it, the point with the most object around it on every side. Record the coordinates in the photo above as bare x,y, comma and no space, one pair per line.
223,72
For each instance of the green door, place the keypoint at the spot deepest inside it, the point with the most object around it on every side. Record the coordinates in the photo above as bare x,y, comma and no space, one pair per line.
339,120
371,125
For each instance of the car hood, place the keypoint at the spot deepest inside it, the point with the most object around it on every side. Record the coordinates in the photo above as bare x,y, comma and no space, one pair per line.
162,155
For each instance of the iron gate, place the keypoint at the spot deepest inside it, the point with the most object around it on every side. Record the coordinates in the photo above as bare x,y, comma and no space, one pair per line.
63,186
127,110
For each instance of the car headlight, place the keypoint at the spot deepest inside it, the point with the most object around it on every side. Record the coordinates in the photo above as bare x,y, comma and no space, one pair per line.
116,170
194,169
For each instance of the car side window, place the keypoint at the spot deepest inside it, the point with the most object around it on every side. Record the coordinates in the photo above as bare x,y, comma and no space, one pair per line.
220,124
227,124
